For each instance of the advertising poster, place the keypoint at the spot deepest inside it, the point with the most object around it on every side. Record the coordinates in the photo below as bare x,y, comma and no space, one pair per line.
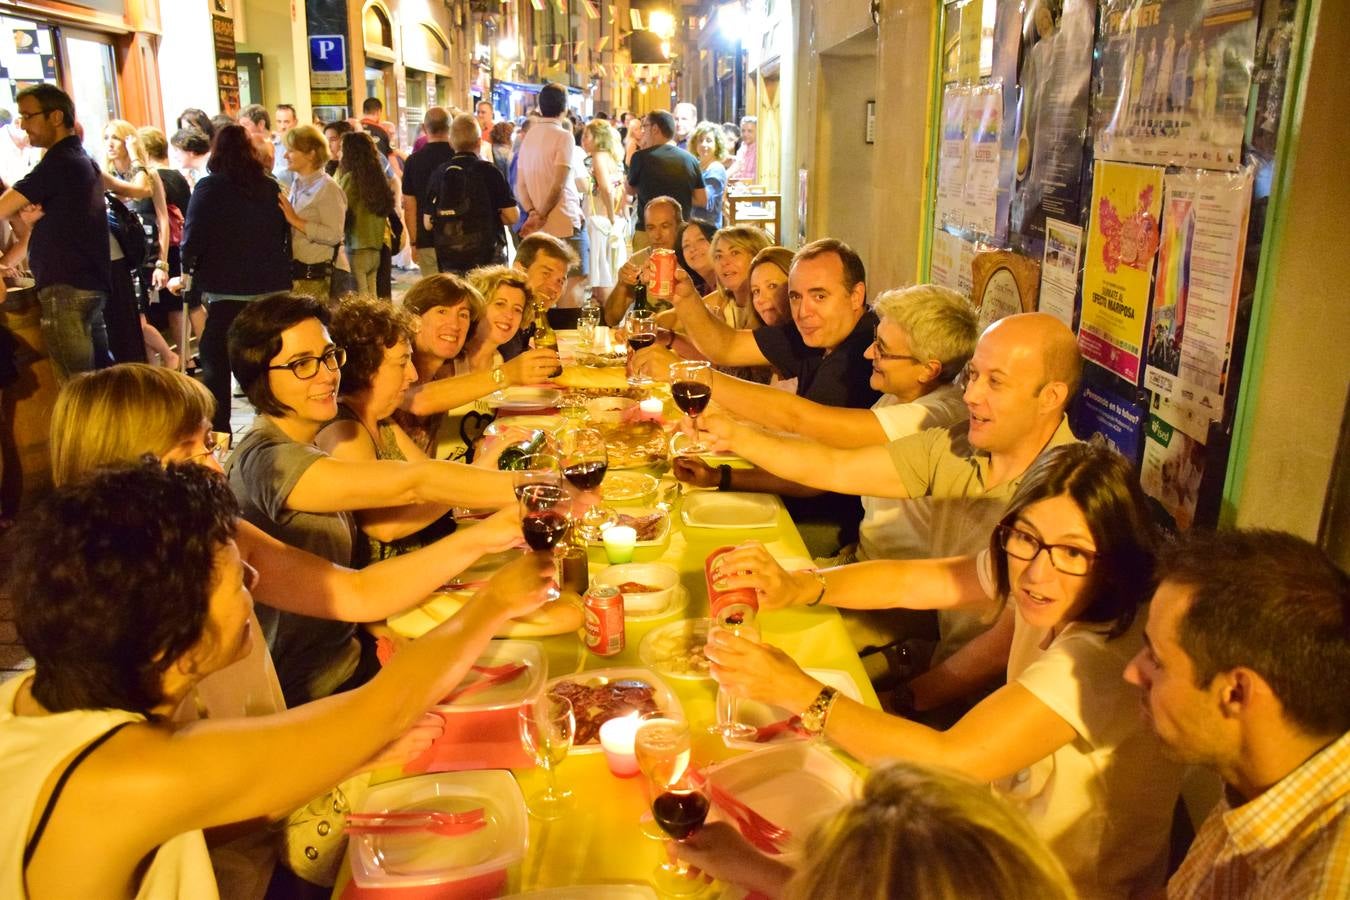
1003,70
1172,468
984,127
1118,421
1059,269
1175,81
1053,119
1204,230
227,79
1118,269
951,179
952,262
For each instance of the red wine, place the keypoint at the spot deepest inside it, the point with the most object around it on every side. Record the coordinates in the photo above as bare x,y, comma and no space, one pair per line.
691,396
638,341
543,529
680,814
586,475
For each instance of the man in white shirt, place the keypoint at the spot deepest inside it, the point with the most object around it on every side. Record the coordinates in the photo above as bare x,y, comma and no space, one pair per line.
285,120
746,166
544,184
483,112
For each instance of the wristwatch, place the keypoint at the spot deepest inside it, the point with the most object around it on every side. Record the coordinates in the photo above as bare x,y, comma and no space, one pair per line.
498,376
814,716
162,266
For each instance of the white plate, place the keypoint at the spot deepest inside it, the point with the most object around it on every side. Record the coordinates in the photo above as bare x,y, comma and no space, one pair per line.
685,640
411,860
627,487
524,686
796,786
524,398
757,714
665,698
729,510
662,532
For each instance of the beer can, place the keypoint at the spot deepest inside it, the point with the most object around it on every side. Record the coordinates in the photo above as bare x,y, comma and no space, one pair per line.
663,261
718,600
603,608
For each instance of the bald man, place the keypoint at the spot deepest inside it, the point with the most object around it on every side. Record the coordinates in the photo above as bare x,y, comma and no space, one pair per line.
1019,383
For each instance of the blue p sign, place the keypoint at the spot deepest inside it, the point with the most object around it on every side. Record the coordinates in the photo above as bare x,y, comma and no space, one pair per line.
327,53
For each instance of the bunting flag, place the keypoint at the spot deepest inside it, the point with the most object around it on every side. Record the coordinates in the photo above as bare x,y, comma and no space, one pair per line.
538,5
635,17
592,11
600,70
600,47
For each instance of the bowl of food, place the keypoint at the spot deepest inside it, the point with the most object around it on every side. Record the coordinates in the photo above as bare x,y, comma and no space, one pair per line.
608,410
677,649
646,587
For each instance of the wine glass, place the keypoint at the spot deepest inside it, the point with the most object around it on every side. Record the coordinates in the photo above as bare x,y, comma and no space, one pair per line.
737,619
536,468
679,799
663,746
547,726
544,518
641,334
585,461
691,386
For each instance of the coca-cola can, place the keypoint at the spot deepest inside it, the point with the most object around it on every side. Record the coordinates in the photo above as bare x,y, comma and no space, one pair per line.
663,262
603,608
719,599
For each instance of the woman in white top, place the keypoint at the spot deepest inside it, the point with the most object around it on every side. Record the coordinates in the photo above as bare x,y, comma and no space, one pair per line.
316,209
100,795
1071,562
606,216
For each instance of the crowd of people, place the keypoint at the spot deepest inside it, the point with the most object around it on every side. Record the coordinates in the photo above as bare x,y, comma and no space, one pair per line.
196,627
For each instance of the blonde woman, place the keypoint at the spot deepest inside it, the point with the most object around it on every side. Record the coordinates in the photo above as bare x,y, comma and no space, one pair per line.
733,251
506,295
316,210
769,285
606,217
129,175
918,833
709,144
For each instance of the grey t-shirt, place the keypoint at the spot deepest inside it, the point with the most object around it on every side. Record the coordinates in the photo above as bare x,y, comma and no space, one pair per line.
307,652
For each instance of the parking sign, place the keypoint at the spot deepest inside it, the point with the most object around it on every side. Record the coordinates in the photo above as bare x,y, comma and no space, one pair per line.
327,61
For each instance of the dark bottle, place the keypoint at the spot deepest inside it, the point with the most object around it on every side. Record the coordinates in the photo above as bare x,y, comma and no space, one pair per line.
640,296
513,457
544,336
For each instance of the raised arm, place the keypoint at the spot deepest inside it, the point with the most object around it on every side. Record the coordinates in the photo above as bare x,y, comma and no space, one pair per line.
339,485
714,338
861,471
442,394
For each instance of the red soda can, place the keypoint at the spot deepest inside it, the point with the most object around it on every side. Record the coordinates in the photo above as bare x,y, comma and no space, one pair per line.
603,607
663,262
719,600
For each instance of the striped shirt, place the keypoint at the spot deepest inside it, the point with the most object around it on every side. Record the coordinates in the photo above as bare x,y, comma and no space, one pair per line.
1292,841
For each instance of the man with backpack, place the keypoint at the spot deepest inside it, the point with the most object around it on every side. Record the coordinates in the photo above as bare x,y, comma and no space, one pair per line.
416,178
467,203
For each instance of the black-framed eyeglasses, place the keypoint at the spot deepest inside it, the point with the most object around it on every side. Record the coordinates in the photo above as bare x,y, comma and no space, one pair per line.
882,354
1026,546
24,117
306,367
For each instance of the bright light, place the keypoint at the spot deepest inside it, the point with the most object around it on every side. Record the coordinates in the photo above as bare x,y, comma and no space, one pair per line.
507,48
665,49
661,24
642,87
731,20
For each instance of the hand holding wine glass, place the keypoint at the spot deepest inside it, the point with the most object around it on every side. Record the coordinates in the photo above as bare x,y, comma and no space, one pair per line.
641,334
691,386
536,468
547,727
544,517
679,806
737,619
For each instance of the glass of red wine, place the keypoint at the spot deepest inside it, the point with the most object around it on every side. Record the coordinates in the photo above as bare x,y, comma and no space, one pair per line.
585,461
691,386
544,518
536,468
680,809
641,334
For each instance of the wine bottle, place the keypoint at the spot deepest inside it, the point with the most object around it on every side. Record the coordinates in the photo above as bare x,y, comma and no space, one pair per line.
640,296
513,457
544,336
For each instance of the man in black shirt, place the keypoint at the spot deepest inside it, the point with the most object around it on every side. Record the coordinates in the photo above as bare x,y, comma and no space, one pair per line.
661,169
416,173
480,239
68,250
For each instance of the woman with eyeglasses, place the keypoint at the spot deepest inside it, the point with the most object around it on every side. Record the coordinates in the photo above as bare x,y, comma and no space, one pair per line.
1071,562
289,368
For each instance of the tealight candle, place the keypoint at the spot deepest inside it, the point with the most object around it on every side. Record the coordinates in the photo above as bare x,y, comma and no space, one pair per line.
617,737
652,407
619,541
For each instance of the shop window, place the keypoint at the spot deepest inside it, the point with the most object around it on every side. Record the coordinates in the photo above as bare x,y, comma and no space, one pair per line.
433,48
376,28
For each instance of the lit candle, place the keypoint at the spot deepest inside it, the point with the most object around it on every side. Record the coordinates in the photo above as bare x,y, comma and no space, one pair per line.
619,541
617,737
652,407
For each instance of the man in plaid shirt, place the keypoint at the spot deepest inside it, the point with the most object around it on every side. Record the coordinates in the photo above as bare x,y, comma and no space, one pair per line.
1244,669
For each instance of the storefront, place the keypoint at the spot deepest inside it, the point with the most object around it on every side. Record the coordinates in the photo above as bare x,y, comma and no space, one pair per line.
101,52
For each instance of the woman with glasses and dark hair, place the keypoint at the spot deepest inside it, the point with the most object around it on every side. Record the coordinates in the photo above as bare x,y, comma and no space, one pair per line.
1071,562
236,248
289,368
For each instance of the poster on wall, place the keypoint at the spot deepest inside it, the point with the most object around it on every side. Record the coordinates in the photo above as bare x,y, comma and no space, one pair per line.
951,176
1053,118
1003,69
1175,81
1059,269
952,262
1118,269
984,127
1172,468
1204,231
1118,421
1004,283
227,77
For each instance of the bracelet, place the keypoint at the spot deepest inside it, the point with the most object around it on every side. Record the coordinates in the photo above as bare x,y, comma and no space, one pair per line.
724,477
162,266
820,577
814,717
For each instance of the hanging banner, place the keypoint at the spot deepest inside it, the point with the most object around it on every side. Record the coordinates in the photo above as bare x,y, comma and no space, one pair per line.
1175,81
1204,230
1172,468
1122,242
1053,119
1059,269
951,176
984,127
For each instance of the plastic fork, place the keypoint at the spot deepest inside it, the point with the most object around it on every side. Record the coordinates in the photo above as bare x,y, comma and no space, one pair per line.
413,822
763,833
766,733
491,675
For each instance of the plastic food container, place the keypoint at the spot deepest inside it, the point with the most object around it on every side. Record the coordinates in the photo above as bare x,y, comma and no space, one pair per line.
481,728
665,699
660,576
465,866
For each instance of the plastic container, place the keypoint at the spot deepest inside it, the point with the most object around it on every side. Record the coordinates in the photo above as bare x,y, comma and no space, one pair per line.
660,576
462,867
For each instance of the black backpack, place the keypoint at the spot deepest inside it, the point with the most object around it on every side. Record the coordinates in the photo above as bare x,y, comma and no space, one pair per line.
466,229
128,230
